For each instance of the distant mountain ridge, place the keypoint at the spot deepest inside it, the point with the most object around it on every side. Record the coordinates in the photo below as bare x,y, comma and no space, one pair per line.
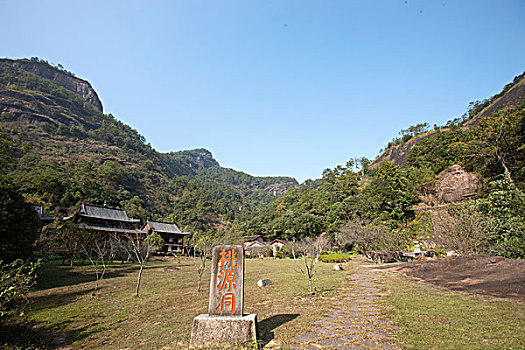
62,150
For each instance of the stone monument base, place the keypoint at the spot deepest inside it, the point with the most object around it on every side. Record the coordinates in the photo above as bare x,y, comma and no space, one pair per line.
223,329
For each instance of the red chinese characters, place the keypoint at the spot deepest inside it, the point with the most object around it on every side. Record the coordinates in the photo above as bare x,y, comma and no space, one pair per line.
227,266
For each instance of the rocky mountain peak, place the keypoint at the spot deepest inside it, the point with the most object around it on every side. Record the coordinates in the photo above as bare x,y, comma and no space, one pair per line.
80,87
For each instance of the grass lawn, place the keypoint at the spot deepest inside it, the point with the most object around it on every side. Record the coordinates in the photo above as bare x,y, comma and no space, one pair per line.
162,316
435,318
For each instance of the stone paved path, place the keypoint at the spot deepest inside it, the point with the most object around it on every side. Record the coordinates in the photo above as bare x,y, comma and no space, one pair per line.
354,321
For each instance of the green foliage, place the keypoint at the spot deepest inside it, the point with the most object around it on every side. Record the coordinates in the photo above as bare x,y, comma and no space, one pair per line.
135,208
154,241
16,279
284,253
420,226
388,197
498,145
20,224
408,134
68,152
505,208
335,257
491,225
361,236
475,107
440,150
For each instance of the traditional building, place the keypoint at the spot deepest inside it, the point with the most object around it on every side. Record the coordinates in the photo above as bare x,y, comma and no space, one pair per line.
105,219
253,240
172,235
44,220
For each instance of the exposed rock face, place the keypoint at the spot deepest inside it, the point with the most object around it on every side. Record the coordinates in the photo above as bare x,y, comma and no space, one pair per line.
513,97
455,184
399,154
79,86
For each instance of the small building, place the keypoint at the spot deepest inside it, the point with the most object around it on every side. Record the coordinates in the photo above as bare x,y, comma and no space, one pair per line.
172,235
249,240
103,219
277,245
44,220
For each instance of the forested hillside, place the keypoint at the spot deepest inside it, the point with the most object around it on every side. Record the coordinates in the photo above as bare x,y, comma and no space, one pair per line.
397,150
60,149
389,202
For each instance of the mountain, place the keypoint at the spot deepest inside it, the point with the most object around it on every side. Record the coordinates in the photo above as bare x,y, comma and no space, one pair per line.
61,150
512,95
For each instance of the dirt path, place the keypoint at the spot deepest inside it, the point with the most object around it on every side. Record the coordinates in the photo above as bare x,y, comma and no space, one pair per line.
355,320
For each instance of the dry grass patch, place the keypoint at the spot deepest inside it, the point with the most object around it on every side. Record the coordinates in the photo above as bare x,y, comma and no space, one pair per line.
162,316
435,318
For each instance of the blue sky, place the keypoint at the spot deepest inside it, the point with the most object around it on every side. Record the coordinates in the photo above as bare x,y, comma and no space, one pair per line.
276,87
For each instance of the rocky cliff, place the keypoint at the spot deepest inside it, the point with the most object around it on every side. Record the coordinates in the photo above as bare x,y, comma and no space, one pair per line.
512,95
44,70
399,154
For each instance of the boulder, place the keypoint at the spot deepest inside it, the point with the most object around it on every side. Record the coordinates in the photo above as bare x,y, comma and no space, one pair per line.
338,267
264,283
455,184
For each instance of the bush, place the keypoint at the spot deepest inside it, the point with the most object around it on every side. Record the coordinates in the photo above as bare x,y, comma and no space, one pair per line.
16,279
284,253
258,252
20,224
335,257
361,236
493,225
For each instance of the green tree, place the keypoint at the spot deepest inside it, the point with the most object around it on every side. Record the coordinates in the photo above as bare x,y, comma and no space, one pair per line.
498,145
20,224
135,208
387,197
16,280
505,208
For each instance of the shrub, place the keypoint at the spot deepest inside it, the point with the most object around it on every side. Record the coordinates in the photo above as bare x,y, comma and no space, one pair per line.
335,257
284,253
16,279
361,236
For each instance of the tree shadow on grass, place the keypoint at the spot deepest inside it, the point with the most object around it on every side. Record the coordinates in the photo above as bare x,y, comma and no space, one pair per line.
22,334
266,326
52,276
57,299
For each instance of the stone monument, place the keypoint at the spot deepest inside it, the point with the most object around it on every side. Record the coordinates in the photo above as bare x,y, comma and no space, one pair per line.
225,321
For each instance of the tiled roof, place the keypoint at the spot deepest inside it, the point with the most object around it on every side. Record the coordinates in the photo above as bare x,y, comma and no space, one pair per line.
251,238
164,227
105,213
255,244
280,240
95,227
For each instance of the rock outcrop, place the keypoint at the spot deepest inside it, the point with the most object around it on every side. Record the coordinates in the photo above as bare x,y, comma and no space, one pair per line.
455,184
508,98
79,86
399,154
514,97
